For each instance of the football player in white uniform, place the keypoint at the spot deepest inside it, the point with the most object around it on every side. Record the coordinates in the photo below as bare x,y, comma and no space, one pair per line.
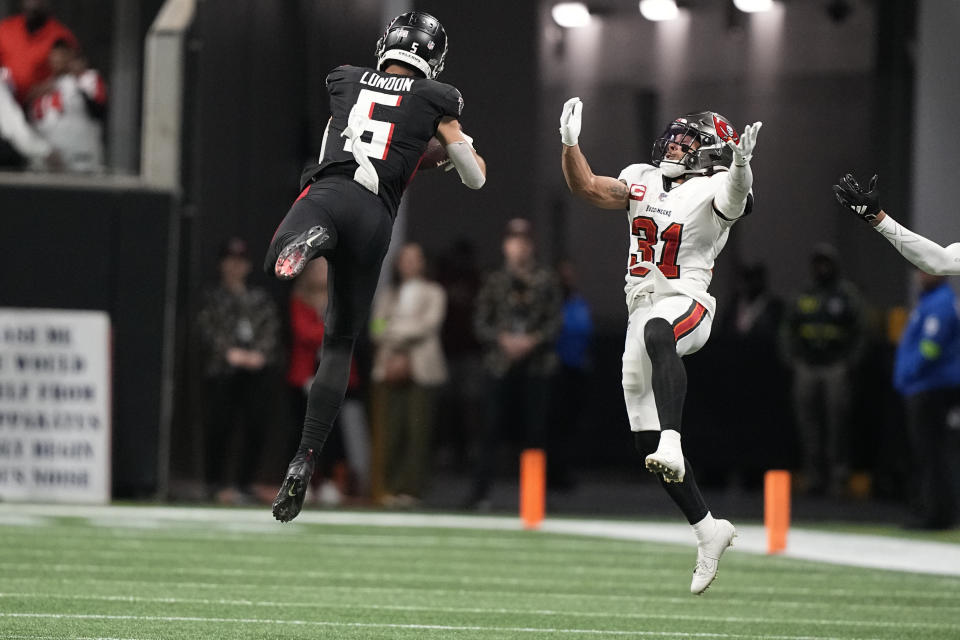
680,209
925,254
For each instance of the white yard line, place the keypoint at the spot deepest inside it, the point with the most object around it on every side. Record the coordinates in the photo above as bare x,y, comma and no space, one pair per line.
936,601
440,577
486,610
424,627
850,549
523,585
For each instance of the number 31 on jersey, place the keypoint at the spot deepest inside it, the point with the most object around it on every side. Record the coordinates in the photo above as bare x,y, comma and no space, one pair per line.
648,237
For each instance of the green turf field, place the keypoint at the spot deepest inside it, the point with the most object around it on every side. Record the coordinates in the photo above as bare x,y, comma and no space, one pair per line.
106,578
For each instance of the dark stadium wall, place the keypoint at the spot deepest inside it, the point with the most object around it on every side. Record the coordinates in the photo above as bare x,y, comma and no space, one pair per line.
102,249
492,61
244,129
934,197
823,88
256,107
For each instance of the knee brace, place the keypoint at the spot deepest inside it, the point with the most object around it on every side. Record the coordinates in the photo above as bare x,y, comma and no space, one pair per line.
632,376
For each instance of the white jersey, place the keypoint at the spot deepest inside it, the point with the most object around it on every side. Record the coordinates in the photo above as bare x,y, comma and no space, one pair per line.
62,117
675,235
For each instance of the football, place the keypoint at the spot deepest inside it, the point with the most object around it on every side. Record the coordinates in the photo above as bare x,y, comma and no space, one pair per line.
434,155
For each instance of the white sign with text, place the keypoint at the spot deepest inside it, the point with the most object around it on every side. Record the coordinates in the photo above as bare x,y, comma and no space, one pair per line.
54,405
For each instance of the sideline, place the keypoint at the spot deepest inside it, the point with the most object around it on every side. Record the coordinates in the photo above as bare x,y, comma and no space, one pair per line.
850,549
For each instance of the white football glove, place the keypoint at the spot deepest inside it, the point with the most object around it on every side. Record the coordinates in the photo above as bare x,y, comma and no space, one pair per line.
748,140
570,121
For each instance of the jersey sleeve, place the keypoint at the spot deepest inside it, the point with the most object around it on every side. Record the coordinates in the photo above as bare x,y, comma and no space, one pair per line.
932,329
452,103
339,74
444,97
728,218
633,173
925,254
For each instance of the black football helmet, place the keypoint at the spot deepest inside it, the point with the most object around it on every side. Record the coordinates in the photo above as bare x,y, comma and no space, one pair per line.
711,130
414,38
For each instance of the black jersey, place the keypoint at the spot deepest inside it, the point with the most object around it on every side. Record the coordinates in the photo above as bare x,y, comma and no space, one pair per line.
404,112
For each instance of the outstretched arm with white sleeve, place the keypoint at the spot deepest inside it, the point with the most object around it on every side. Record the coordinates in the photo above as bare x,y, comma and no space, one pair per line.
731,200
923,253
459,147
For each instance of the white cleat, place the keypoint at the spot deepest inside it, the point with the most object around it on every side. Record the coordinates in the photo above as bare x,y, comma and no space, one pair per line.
708,556
667,460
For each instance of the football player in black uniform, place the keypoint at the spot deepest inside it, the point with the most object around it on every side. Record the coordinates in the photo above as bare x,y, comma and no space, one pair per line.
381,121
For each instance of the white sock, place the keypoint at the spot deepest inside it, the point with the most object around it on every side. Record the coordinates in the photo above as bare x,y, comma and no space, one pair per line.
705,528
671,436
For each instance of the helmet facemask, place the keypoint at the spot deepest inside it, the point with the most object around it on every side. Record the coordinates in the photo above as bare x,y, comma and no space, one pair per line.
704,148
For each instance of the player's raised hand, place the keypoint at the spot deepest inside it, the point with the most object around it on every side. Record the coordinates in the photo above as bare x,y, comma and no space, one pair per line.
570,121
748,140
865,203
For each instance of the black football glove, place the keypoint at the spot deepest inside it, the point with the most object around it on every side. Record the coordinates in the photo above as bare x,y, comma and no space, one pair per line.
864,203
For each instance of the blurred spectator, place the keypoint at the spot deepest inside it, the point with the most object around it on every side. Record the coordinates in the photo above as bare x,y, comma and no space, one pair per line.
822,337
25,43
747,332
344,464
755,313
68,109
239,328
409,363
461,398
571,380
517,320
19,144
927,373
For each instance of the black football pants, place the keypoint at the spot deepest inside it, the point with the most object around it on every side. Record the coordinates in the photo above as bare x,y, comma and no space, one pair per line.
359,225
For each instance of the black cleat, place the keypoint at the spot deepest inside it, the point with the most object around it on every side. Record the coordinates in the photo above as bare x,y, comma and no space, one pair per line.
289,500
301,250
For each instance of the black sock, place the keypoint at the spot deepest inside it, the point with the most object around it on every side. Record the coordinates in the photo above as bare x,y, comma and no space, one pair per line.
327,391
669,379
686,495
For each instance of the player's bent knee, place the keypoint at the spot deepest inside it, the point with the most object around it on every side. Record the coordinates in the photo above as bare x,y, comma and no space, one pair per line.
658,333
646,442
